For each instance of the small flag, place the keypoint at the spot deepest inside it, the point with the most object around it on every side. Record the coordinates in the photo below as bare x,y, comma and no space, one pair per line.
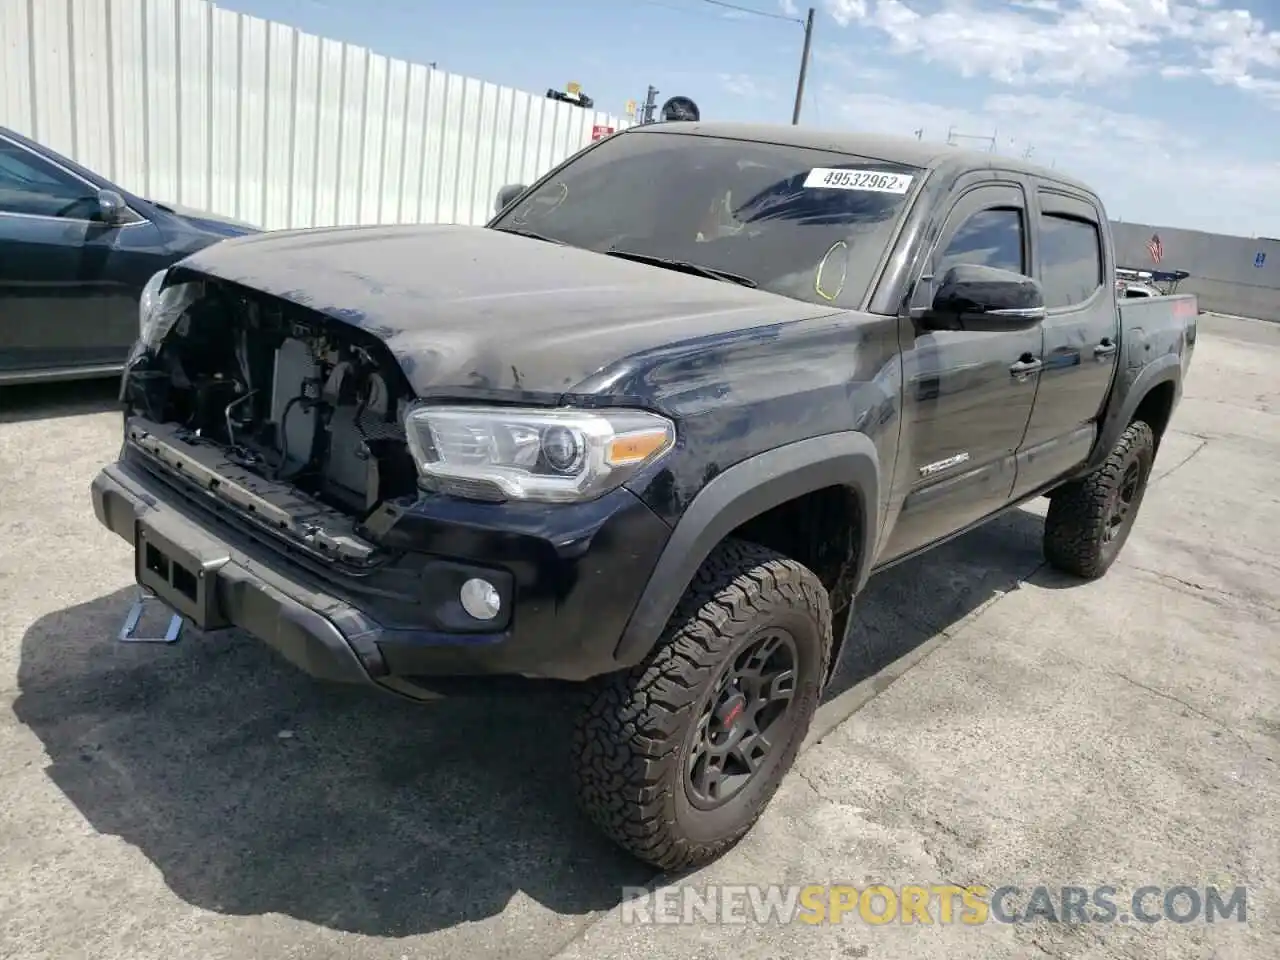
1155,248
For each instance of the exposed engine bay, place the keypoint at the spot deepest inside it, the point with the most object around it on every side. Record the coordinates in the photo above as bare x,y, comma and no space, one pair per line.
281,392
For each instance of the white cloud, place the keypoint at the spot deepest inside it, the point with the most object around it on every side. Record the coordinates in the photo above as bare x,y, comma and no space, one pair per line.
789,7
846,12
1237,45
852,69
1147,169
742,85
1081,42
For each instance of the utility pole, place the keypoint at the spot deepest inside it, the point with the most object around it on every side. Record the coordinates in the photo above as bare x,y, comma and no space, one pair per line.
650,104
804,67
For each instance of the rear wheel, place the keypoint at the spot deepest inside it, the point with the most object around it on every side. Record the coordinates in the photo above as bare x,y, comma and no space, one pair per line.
1090,519
677,758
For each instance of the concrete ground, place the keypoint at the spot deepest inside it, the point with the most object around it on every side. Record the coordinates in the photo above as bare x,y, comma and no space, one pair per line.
997,724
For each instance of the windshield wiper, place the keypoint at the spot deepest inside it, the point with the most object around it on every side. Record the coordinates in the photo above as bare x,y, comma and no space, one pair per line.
530,234
686,266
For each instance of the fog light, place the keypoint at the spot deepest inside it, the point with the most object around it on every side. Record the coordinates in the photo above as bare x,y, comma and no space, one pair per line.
480,599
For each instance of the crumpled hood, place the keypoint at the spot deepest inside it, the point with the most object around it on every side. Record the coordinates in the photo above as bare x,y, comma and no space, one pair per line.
482,310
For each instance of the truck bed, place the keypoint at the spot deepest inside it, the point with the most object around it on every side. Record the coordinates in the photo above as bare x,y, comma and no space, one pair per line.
1153,327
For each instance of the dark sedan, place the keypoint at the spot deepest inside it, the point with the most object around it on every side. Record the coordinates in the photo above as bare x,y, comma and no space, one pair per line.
75,253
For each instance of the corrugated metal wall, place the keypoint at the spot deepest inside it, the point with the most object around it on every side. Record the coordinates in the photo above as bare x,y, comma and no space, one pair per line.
1223,272
180,101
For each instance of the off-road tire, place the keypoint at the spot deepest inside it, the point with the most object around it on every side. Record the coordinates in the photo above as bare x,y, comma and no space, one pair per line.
1079,513
631,742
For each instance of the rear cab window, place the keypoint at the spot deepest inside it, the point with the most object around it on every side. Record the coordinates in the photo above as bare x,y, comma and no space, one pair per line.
804,223
1070,251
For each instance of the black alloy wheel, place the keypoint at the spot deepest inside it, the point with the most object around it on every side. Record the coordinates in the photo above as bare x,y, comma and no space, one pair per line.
746,715
676,758
1090,519
1126,496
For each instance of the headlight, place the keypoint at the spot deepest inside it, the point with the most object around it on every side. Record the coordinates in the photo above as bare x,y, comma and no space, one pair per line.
159,309
494,453
147,302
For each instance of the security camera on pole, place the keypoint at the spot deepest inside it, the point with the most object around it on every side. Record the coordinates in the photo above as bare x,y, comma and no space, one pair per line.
674,108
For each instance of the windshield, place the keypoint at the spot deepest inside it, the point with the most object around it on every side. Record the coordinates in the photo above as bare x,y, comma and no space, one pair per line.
808,224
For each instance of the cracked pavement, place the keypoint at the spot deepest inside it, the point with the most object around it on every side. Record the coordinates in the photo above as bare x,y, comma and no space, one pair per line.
995,723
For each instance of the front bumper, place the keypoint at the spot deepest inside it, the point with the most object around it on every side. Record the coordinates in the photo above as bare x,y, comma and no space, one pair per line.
566,611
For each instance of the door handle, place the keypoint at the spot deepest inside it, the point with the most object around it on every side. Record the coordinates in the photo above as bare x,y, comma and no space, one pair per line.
1026,366
1106,348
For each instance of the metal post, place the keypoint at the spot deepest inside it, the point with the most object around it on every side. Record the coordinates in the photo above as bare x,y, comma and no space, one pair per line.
804,67
650,104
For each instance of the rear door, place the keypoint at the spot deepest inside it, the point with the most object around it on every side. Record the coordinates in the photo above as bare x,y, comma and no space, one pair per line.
1081,334
965,403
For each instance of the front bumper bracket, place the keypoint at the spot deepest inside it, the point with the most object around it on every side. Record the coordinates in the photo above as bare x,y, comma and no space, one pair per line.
131,620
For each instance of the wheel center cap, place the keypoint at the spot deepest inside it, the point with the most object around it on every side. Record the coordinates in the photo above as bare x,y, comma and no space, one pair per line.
731,711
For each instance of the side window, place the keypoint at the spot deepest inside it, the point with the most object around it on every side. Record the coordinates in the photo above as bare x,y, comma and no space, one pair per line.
1071,258
29,185
989,238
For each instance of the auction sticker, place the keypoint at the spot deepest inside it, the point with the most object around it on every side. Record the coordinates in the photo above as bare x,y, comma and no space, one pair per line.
876,181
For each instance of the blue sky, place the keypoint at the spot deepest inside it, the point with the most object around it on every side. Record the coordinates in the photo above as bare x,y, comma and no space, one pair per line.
1170,107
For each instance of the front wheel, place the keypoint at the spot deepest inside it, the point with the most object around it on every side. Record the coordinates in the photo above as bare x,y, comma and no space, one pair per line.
676,759
1089,519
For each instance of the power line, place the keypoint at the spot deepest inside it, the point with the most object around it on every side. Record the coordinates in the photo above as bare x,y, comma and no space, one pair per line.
807,23
758,13
684,8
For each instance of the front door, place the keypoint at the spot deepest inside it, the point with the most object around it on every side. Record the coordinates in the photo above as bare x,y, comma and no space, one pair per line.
1081,334
63,301
966,400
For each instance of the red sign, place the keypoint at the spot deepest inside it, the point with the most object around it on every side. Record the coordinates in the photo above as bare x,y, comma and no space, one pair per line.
598,131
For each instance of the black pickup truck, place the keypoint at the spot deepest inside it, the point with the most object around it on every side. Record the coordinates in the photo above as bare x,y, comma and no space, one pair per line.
650,430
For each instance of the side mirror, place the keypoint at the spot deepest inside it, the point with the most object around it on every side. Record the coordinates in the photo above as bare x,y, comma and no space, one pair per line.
972,297
506,195
112,208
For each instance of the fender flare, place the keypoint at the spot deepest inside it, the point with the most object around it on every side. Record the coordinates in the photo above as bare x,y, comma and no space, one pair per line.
1127,399
733,497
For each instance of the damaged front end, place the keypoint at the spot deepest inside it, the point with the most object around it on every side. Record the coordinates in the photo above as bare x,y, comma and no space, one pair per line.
280,474
289,417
